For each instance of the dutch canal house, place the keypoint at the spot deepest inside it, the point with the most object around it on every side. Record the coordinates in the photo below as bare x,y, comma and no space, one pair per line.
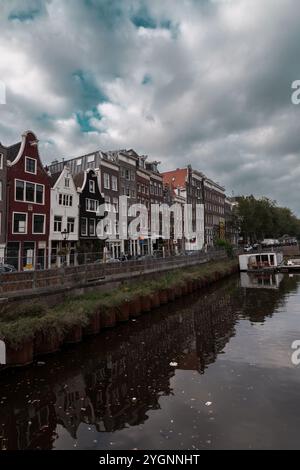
28,206
187,184
64,220
90,247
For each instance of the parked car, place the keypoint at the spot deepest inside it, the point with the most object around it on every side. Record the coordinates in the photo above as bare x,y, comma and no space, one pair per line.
7,268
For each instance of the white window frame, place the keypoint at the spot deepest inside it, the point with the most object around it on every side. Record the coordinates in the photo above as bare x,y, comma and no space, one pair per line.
55,221
88,205
44,227
24,192
94,224
68,223
115,203
92,186
13,223
86,226
66,200
107,203
106,182
114,183
35,162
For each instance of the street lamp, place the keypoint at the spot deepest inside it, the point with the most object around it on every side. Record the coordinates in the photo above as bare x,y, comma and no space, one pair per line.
65,234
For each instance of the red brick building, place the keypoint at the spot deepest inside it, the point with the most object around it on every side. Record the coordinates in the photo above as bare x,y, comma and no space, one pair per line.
28,203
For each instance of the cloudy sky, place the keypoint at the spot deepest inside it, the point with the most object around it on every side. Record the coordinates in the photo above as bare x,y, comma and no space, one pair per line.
200,81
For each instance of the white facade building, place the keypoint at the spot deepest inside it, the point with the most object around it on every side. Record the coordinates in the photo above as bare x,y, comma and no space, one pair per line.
64,219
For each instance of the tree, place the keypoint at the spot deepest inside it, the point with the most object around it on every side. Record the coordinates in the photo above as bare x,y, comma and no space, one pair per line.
262,218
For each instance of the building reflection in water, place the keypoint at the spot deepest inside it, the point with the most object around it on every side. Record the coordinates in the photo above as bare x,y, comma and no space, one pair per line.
114,379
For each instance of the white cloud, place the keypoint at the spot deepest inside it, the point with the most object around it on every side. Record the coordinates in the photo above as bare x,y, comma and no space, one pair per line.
210,83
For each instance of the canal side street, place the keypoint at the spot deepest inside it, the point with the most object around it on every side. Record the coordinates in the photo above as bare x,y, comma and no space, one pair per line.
212,370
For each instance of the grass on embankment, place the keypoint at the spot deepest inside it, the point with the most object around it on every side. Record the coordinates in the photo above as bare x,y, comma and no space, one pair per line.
24,322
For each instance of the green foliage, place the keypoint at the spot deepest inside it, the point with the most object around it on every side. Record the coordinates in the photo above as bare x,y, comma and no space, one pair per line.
262,218
227,247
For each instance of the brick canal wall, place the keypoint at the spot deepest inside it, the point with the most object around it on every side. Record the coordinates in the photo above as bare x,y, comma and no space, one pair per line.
45,338
55,284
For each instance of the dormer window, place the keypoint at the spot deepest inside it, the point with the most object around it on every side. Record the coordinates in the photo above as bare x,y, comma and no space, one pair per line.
30,165
92,186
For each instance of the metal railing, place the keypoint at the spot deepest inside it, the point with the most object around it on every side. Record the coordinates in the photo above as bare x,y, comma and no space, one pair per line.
86,274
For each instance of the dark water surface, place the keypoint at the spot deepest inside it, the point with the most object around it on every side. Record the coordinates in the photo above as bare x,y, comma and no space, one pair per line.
210,371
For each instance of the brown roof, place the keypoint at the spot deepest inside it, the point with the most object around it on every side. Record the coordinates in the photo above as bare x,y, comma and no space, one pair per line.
13,151
175,178
78,179
54,177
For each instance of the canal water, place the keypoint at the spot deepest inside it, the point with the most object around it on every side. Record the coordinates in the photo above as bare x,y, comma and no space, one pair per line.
212,371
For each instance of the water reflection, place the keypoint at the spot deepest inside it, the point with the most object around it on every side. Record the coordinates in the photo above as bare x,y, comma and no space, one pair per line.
263,280
113,383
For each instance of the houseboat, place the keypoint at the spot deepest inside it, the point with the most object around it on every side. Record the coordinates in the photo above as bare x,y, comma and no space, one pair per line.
260,261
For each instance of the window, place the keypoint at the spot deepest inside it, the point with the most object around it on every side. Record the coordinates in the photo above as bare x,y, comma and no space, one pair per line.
38,224
92,186
91,158
1,161
29,192
106,181
30,165
114,183
132,175
107,203
116,204
65,200
91,205
127,174
19,190
83,226
70,224
39,191
78,162
57,223
67,182
19,223
1,193
92,227
132,193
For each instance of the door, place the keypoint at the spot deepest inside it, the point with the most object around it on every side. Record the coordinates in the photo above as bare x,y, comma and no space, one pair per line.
28,256
12,254
41,259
